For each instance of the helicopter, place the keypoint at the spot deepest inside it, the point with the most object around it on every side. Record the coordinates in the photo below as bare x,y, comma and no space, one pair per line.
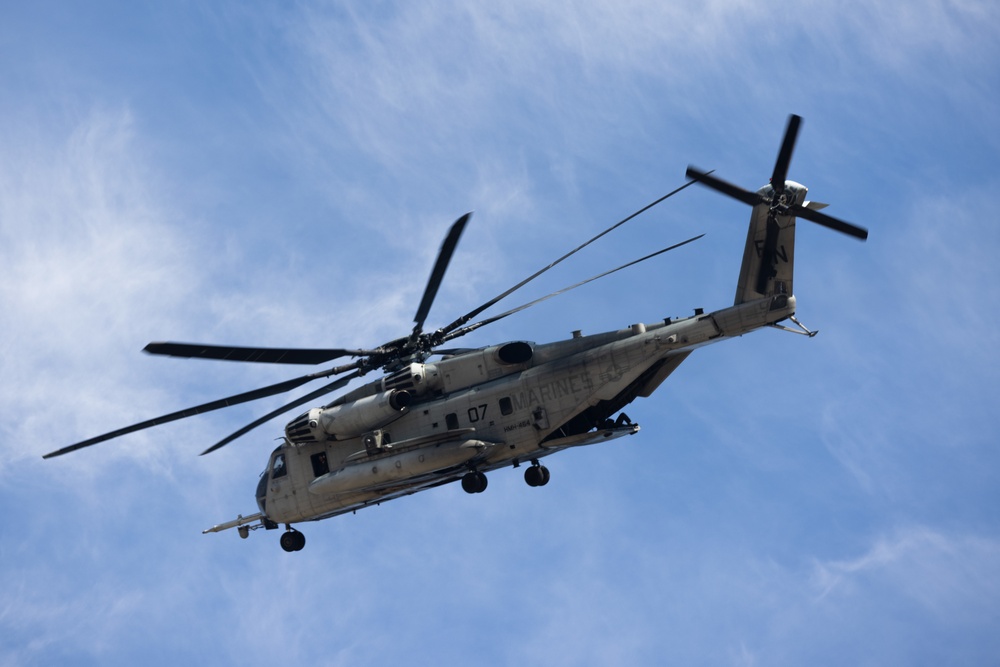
442,415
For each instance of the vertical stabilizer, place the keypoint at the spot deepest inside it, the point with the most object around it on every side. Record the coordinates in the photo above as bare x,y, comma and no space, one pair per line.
769,254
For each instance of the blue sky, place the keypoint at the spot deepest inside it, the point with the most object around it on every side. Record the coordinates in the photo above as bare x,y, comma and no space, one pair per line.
261,175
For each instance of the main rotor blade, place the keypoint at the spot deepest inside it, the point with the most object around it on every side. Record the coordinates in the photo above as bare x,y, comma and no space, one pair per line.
473,313
472,327
434,282
829,221
780,173
325,389
266,355
725,187
253,395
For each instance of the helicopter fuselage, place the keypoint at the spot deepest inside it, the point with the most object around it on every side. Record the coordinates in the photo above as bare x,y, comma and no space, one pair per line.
483,410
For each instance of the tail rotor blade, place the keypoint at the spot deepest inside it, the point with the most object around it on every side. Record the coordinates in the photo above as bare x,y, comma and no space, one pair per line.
725,187
780,174
829,222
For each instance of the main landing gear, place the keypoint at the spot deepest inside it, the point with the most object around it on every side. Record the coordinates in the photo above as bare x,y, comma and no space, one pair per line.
292,540
474,482
536,475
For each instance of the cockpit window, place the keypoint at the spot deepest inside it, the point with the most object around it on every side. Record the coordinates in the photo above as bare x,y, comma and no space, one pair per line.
278,469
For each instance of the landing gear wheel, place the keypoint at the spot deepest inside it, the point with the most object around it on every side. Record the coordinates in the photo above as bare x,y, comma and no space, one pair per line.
474,482
537,475
292,540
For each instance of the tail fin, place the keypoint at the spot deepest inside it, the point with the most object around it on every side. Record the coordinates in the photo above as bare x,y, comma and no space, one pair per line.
769,254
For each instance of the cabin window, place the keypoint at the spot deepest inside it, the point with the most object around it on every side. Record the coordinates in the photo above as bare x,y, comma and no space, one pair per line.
451,420
320,464
278,468
506,407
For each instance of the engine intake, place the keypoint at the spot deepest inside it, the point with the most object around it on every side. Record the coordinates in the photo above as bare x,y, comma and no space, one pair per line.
349,420
414,378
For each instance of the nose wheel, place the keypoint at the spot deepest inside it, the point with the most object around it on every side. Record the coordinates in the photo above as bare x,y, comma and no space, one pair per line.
536,475
292,540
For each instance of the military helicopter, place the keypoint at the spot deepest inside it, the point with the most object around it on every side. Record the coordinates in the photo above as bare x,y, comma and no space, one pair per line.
438,415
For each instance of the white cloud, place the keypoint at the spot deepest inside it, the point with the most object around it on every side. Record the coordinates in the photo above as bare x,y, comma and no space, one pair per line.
951,577
92,266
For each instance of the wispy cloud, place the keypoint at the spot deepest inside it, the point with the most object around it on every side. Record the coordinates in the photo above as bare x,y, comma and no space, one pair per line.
951,577
91,266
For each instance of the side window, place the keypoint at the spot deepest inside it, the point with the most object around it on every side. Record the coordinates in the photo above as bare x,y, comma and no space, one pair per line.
451,420
505,406
320,465
279,469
